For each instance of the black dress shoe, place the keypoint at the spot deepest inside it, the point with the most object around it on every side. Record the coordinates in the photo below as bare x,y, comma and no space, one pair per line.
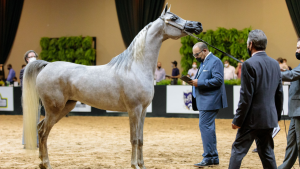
204,164
254,151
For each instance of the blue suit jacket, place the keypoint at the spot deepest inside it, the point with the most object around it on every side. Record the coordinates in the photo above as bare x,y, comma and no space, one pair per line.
210,93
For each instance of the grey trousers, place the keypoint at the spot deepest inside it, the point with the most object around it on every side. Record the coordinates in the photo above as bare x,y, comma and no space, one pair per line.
293,144
38,120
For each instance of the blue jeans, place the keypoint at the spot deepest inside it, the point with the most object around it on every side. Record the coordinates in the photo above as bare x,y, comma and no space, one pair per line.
208,134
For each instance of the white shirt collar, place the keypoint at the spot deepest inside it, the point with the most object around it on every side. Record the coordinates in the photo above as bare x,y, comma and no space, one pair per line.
206,56
258,52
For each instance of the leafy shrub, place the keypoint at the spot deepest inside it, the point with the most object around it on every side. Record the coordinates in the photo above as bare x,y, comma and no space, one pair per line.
231,41
232,82
71,49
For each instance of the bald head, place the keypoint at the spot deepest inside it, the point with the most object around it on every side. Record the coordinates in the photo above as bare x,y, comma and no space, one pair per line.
201,46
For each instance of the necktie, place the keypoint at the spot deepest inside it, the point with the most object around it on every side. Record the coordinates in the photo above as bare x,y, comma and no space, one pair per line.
196,77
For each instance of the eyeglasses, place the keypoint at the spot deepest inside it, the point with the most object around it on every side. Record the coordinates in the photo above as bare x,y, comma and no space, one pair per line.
197,54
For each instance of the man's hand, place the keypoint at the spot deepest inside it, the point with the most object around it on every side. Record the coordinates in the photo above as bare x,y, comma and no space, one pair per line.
234,126
194,82
192,74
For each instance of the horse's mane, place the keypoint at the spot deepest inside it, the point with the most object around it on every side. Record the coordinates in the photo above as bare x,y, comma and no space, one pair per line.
133,53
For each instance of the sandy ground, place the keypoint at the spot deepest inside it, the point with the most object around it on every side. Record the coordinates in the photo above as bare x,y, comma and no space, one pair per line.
103,142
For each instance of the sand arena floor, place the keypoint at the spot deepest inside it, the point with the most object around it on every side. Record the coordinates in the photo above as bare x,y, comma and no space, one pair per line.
103,142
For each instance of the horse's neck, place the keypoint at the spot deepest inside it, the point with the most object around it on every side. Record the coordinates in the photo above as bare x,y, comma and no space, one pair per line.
153,43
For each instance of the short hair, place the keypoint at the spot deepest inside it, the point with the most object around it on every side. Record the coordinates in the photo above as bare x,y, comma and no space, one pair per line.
280,60
284,60
194,62
15,78
26,54
9,65
258,39
201,46
226,61
23,66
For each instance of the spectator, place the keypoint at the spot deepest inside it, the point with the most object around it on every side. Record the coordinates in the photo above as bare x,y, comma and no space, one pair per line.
193,71
229,71
175,73
160,73
285,63
238,69
11,74
30,56
282,66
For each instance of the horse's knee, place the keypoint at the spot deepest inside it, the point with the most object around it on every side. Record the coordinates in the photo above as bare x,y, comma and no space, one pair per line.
141,142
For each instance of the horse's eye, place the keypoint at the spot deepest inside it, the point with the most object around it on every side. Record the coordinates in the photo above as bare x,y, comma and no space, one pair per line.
173,18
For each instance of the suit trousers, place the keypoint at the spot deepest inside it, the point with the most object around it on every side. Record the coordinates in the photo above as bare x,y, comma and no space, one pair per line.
244,140
208,134
293,142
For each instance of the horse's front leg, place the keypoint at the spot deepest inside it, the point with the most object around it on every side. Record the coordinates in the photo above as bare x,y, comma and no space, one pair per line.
134,126
140,140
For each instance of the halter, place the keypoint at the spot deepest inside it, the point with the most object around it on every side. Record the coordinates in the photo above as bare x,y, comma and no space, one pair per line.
181,27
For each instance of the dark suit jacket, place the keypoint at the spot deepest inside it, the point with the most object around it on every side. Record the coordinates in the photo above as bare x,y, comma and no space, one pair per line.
21,76
293,76
261,95
210,93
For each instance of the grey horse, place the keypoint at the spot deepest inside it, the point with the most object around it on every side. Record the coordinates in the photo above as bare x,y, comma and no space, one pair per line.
124,84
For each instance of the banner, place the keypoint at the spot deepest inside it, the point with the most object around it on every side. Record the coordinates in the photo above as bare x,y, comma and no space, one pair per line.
179,99
236,98
6,99
81,107
149,110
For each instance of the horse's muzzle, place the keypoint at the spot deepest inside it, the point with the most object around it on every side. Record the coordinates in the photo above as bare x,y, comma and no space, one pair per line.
193,27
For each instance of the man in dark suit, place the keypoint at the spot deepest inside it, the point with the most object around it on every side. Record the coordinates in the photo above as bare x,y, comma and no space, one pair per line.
293,139
210,94
260,105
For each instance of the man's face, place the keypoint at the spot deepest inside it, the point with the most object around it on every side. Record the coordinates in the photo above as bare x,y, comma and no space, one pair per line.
159,64
197,53
226,63
30,55
298,47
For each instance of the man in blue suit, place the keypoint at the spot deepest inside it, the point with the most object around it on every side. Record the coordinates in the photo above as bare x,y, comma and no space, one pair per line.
209,92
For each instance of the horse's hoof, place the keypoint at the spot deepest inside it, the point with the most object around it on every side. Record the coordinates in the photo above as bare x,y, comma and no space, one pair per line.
135,166
42,166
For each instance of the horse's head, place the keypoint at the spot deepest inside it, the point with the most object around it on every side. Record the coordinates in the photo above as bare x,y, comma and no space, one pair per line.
175,26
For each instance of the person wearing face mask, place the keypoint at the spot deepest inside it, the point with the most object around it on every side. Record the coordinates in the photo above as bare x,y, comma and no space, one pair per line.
192,72
11,74
160,73
209,96
175,73
293,138
229,71
238,69
29,57
260,106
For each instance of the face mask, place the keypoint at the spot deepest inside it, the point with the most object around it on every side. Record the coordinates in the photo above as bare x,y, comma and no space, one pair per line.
31,59
194,66
200,60
298,55
226,64
159,67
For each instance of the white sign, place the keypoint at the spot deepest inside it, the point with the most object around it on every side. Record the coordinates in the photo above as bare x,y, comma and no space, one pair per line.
179,99
81,107
149,110
6,99
236,98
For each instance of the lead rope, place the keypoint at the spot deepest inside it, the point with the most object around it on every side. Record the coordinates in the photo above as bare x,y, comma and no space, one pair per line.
212,46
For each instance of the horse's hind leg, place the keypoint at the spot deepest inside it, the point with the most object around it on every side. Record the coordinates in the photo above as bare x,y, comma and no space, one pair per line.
46,125
140,140
134,119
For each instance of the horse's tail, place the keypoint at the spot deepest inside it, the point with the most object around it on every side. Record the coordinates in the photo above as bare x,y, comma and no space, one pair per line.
30,102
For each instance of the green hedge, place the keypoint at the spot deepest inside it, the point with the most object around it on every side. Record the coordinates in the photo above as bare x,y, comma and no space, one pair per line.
232,41
168,82
71,49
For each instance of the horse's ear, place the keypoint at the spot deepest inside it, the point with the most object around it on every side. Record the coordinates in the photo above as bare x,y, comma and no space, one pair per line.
164,10
169,10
